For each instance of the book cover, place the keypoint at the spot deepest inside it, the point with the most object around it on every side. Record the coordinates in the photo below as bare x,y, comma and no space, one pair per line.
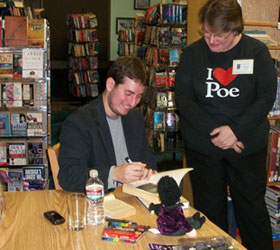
16,184
171,79
33,173
115,208
3,154
159,121
28,94
17,65
18,124
161,100
32,62
272,156
6,64
36,33
4,124
148,189
163,57
13,94
171,121
35,153
161,80
34,124
174,57
15,31
164,36
1,31
17,153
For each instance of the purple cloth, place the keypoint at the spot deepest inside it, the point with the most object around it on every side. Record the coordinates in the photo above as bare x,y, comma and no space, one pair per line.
172,221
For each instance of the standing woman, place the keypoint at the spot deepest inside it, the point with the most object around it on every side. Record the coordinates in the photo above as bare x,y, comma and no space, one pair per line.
225,87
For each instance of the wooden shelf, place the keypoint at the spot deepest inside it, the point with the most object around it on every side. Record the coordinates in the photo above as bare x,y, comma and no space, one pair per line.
273,184
262,24
273,47
273,117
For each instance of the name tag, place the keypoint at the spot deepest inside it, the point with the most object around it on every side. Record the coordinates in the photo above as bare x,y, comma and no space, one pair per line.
242,67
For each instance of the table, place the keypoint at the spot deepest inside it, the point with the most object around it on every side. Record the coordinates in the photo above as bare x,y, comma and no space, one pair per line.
24,226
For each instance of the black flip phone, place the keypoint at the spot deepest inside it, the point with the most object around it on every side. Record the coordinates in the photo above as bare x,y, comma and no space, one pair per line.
54,217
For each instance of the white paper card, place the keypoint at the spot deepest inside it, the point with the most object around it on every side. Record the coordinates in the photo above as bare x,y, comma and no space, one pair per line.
242,67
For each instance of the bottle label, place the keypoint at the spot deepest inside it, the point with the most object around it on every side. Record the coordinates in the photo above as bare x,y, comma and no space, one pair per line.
94,194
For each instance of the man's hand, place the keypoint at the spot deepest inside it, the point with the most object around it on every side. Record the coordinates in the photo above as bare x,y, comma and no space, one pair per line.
130,172
148,172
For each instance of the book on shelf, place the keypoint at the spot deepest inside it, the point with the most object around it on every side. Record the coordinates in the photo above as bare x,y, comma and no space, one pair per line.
3,154
275,232
171,121
35,152
37,33
272,154
147,189
18,124
17,65
32,62
5,124
34,178
16,31
16,184
13,94
34,173
17,153
171,78
161,80
34,123
28,94
159,121
161,102
174,57
6,64
116,208
164,36
163,57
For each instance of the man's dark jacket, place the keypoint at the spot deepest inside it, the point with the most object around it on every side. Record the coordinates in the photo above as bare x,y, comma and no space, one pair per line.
86,143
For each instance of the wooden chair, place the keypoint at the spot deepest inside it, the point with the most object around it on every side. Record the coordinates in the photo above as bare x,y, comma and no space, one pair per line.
53,155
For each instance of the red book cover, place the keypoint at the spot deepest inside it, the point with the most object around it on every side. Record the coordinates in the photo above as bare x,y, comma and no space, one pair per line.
272,156
16,31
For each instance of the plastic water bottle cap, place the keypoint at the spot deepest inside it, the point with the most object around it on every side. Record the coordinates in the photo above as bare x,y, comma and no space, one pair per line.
93,173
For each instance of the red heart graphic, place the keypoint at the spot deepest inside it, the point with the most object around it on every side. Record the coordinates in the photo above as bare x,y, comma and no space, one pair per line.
223,76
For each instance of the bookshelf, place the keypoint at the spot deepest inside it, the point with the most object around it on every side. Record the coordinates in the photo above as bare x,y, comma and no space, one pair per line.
161,46
83,49
25,111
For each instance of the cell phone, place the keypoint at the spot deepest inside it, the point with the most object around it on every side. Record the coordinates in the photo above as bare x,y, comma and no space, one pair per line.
54,217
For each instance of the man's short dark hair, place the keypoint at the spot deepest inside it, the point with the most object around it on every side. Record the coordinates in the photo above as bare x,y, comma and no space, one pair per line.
128,66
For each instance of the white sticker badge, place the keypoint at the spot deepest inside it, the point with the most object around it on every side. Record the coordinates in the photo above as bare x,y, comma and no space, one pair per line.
242,67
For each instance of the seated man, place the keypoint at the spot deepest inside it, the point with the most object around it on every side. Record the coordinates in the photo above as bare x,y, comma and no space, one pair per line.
103,133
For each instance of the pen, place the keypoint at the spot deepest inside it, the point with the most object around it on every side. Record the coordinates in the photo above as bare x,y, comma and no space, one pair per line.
116,220
127,159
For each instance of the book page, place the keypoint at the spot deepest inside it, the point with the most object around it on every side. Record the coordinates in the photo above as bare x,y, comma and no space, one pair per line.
116,208
177,174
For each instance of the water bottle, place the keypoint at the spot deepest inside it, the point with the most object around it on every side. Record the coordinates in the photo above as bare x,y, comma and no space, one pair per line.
95,197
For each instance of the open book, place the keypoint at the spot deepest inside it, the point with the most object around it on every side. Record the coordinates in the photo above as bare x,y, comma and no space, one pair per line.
116,208
147,190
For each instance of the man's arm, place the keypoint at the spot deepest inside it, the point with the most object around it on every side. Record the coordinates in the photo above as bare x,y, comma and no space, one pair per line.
73,155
